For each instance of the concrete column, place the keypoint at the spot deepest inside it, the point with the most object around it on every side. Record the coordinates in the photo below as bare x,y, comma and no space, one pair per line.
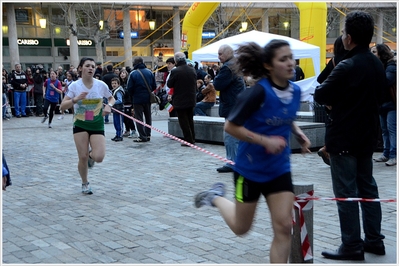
296,255
127,41
176,30
380,25
265,20
12,35
73,46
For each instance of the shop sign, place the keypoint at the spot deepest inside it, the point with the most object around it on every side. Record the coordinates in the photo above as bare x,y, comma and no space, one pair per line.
208,34
81,42
28,41
133,34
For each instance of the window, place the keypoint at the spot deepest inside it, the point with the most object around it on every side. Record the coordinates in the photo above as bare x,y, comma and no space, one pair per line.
87,52
34,51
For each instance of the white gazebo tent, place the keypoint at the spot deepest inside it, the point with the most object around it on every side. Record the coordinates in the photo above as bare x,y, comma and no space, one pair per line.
300,50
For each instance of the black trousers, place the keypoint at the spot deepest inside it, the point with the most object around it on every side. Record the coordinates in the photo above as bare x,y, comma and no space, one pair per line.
141,112
186,122
129,124
38,97
52,105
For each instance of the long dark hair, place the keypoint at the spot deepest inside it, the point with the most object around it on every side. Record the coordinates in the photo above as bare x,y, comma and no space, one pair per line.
251,57
384,52
339,50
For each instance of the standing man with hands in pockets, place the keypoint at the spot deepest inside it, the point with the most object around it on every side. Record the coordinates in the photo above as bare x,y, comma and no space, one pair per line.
230,85
353,91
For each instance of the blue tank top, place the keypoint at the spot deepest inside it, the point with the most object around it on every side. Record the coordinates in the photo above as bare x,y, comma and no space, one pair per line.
273,118
51,94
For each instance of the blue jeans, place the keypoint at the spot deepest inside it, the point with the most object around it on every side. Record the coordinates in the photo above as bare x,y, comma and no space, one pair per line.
118,124
201,107
231,145
106,117
352,177
3,104
20,102
388,129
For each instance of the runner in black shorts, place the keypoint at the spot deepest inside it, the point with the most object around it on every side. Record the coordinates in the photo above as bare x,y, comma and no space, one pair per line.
262,119
249,191
77,129
86,97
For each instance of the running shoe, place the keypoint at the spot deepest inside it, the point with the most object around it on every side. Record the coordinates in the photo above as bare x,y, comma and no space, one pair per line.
86,189
44,119
206,197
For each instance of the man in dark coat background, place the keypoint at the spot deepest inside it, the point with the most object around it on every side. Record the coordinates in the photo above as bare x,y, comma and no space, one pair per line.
229,84
183,79
352,92
137,88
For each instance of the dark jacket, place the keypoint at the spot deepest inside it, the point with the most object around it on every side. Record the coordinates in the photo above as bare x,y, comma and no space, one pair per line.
137,87
230,85
183,80
390,72
17,79
353,91
212,73
107,79
38,83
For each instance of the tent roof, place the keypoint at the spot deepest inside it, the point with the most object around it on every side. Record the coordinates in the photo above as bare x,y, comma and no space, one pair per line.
300,49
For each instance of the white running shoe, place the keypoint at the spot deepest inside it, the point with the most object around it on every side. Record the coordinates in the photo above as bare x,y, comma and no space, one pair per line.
86,189
391,162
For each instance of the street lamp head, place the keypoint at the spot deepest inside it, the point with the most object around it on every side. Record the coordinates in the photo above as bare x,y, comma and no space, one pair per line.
151,23
42,23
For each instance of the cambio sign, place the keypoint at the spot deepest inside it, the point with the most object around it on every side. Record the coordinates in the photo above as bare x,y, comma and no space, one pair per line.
28,42
81,42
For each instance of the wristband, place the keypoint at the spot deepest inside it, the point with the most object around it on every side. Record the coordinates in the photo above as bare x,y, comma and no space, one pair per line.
110,105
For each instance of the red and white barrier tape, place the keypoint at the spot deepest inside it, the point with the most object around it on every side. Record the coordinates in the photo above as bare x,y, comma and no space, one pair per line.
176,138
307,198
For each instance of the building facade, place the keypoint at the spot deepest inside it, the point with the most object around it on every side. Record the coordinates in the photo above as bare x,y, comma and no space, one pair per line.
44,30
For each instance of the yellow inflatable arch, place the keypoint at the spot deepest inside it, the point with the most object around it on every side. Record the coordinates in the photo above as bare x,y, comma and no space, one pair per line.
313,16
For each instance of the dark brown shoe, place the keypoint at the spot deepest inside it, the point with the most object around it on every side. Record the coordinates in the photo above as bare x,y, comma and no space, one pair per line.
324,155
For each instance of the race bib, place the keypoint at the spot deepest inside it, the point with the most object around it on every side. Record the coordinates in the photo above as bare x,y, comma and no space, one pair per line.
89,115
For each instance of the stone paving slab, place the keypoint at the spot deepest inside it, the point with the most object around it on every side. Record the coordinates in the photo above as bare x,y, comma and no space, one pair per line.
142,208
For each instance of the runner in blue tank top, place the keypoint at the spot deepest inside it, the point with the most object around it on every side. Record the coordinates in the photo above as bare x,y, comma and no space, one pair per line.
262,120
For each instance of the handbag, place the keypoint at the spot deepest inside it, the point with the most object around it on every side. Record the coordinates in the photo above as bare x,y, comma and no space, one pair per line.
153,97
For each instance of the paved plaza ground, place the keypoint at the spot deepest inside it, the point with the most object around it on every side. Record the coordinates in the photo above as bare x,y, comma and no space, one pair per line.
142,209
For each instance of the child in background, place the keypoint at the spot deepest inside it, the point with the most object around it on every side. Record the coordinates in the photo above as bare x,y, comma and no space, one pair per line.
118,93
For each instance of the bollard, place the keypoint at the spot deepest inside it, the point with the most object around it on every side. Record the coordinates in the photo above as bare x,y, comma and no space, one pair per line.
296,255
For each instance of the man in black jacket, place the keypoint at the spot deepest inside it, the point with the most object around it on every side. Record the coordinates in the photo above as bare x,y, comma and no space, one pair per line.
138,90
38,80
183,80
19,82
352,92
